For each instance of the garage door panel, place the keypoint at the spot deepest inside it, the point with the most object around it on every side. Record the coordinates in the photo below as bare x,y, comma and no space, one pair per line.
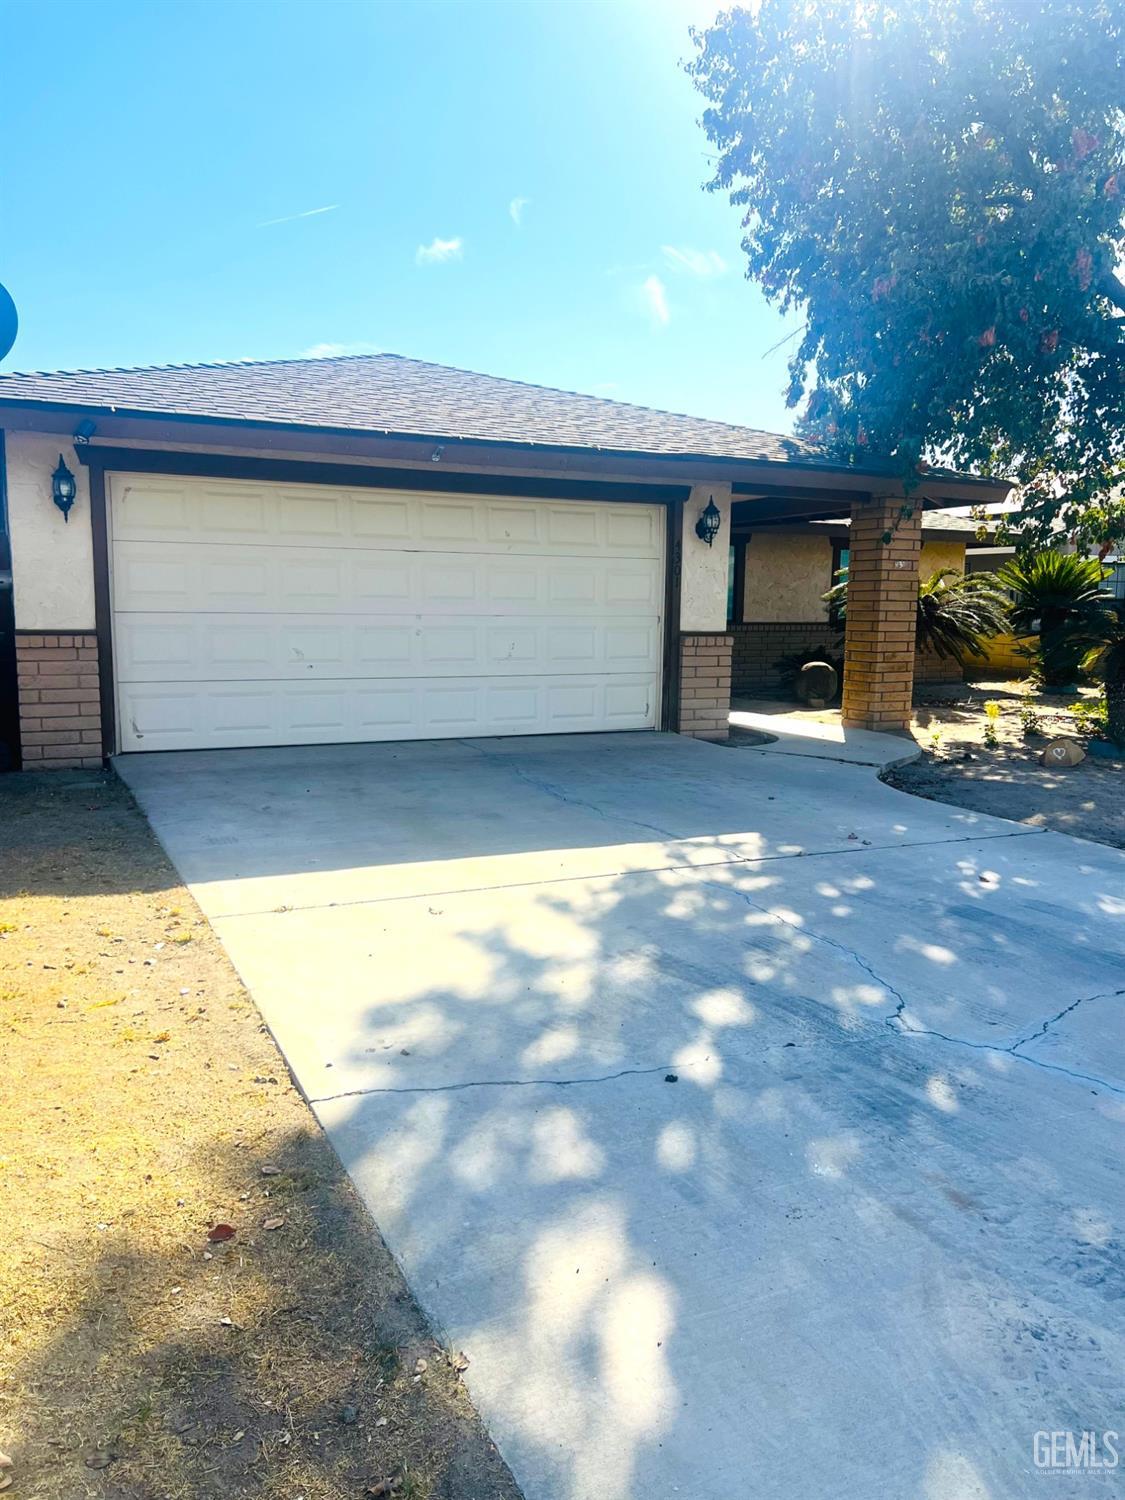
228,513
154,508
380,521
155,716
248,614
241,648
183,576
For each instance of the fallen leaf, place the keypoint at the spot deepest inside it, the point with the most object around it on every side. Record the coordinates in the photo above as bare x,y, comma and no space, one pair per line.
271,1171
219,1232
99,1459
275,1223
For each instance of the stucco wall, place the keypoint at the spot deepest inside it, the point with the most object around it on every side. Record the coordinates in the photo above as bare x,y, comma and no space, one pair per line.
786,574
703,572
785,577
52,559
937,555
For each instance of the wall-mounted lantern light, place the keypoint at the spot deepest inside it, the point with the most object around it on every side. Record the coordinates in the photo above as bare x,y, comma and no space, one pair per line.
63,488
710,519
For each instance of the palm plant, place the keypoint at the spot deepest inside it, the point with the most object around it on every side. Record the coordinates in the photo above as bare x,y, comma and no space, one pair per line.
1060,599
957,612
1106,659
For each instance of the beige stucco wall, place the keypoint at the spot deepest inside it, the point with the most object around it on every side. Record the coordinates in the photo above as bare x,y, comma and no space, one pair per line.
936,555
786,574
52,559
703,572
785,577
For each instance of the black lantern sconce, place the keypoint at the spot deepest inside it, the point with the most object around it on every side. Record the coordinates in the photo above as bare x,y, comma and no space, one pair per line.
710,519
64,488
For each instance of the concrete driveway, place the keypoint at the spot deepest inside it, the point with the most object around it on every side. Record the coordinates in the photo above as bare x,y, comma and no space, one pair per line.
755,1128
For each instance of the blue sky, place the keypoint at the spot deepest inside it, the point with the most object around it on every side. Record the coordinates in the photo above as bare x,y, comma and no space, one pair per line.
509,187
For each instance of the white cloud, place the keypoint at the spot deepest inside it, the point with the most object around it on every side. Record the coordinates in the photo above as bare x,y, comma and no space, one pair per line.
438,250
697,262
516,208
336,351
655,299
309,213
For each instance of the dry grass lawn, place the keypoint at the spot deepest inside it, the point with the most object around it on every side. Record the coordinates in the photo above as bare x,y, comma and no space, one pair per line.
142,1103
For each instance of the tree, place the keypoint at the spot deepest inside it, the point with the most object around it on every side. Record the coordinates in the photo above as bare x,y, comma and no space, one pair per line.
1062,601
940,186
957,612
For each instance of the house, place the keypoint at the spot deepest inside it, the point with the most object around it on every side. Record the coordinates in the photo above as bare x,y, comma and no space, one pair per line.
373,548
779,575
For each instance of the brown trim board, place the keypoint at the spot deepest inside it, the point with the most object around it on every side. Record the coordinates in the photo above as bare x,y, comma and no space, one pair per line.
103,610
673,569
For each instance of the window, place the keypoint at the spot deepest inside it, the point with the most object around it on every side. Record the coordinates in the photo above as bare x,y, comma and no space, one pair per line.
840,557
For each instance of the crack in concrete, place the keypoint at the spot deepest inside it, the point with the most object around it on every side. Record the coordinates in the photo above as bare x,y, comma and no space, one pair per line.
894,1021
517,885
1066,1010
550,790
820,937
504,1083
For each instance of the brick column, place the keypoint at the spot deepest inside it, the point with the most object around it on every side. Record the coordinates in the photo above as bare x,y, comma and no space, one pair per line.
882,606
60,713
705,686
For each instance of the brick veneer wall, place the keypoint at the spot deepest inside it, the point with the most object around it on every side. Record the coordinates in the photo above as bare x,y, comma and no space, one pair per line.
60,712
759,647
929,667
1002,656
705,686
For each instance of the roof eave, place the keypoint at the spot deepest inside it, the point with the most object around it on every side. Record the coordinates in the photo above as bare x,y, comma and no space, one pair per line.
948,486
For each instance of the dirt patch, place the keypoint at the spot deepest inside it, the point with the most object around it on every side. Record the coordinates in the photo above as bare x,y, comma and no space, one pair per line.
742,738
148,1355
1007,780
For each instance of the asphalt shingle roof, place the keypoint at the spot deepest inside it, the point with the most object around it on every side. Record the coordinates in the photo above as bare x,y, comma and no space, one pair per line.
386,393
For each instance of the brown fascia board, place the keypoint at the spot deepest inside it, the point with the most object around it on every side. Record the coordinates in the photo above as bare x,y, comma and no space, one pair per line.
413,449
837,528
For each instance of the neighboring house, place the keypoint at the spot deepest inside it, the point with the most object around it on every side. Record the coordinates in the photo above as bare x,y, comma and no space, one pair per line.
376,548
778,577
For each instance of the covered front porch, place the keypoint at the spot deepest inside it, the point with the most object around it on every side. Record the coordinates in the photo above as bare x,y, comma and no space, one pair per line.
785,550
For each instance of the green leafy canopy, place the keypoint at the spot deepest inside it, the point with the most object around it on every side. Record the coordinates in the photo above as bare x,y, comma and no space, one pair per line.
940,186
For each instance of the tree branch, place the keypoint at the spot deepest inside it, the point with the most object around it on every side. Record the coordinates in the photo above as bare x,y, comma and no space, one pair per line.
1112,289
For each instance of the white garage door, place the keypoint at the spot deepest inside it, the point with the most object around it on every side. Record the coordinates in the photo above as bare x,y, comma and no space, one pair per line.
276,614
